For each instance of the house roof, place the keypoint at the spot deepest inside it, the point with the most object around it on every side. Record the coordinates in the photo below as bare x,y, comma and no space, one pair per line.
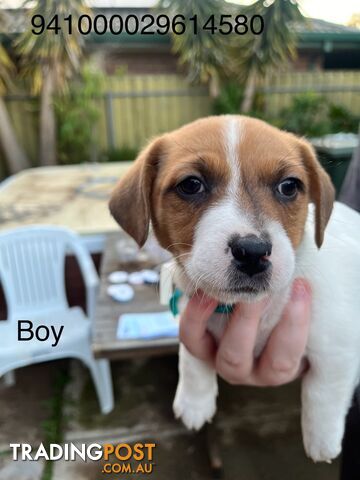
316,25
122,3
317,30
14,4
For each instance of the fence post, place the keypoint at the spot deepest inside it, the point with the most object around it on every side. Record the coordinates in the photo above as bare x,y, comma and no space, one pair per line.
109,120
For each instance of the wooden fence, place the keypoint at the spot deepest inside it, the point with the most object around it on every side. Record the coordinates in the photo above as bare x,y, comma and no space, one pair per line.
339,86
136,107
141,106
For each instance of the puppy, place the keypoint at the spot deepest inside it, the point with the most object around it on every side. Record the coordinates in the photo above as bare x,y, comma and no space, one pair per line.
229,197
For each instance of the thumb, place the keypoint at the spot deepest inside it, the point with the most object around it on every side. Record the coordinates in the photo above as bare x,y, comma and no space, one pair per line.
281,358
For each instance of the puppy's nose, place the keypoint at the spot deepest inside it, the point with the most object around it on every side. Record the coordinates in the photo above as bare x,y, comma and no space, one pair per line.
250,254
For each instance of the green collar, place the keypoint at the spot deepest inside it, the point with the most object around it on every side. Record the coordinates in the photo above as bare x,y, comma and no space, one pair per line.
173,304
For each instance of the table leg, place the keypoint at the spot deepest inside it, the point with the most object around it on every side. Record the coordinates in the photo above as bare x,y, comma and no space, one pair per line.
213,449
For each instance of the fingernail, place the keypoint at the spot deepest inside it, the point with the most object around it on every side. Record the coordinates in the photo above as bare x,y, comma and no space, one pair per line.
300,290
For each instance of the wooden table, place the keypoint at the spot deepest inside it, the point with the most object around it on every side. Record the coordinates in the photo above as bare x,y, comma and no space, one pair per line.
146,299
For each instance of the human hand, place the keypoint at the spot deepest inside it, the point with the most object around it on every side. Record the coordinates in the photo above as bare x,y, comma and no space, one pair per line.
281,359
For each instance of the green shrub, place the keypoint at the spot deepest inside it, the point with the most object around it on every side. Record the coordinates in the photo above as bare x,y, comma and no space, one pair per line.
312,115
342,120
78,113
230,99
120,154
307,115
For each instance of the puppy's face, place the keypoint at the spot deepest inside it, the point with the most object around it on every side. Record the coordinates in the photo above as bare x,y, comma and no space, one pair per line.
228,196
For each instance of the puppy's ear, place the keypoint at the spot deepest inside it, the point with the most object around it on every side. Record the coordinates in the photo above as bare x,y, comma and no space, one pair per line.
130,200
322,191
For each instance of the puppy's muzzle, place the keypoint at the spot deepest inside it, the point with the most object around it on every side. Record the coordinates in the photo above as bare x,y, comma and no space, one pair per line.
250,254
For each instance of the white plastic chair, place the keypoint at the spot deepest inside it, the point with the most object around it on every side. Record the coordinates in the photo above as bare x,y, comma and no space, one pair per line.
32,275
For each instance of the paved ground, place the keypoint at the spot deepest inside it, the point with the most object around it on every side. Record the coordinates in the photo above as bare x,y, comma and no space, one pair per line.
23,410
259,430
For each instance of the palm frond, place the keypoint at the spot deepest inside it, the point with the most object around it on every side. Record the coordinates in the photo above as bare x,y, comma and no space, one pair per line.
7,67
204,53
61,52
274,46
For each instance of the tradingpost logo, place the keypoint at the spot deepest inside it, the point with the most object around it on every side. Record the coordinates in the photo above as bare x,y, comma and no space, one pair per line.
120,458
128,459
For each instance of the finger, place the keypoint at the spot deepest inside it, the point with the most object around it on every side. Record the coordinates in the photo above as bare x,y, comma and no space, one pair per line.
235,356
281,360
193,323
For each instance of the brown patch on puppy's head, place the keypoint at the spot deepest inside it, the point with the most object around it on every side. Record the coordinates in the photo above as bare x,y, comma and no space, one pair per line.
148,190
195,150
269,156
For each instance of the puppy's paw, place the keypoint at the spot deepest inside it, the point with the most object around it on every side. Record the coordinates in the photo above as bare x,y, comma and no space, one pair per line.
321,447
192,410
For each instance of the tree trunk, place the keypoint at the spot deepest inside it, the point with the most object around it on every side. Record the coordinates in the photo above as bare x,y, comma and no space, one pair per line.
47,152
14,154
214,87
249,93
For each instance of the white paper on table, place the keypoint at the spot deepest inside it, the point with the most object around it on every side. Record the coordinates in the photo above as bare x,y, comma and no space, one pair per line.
132,326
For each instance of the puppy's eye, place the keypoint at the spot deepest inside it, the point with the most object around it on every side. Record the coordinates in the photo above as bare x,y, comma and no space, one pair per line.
288,188
190,186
